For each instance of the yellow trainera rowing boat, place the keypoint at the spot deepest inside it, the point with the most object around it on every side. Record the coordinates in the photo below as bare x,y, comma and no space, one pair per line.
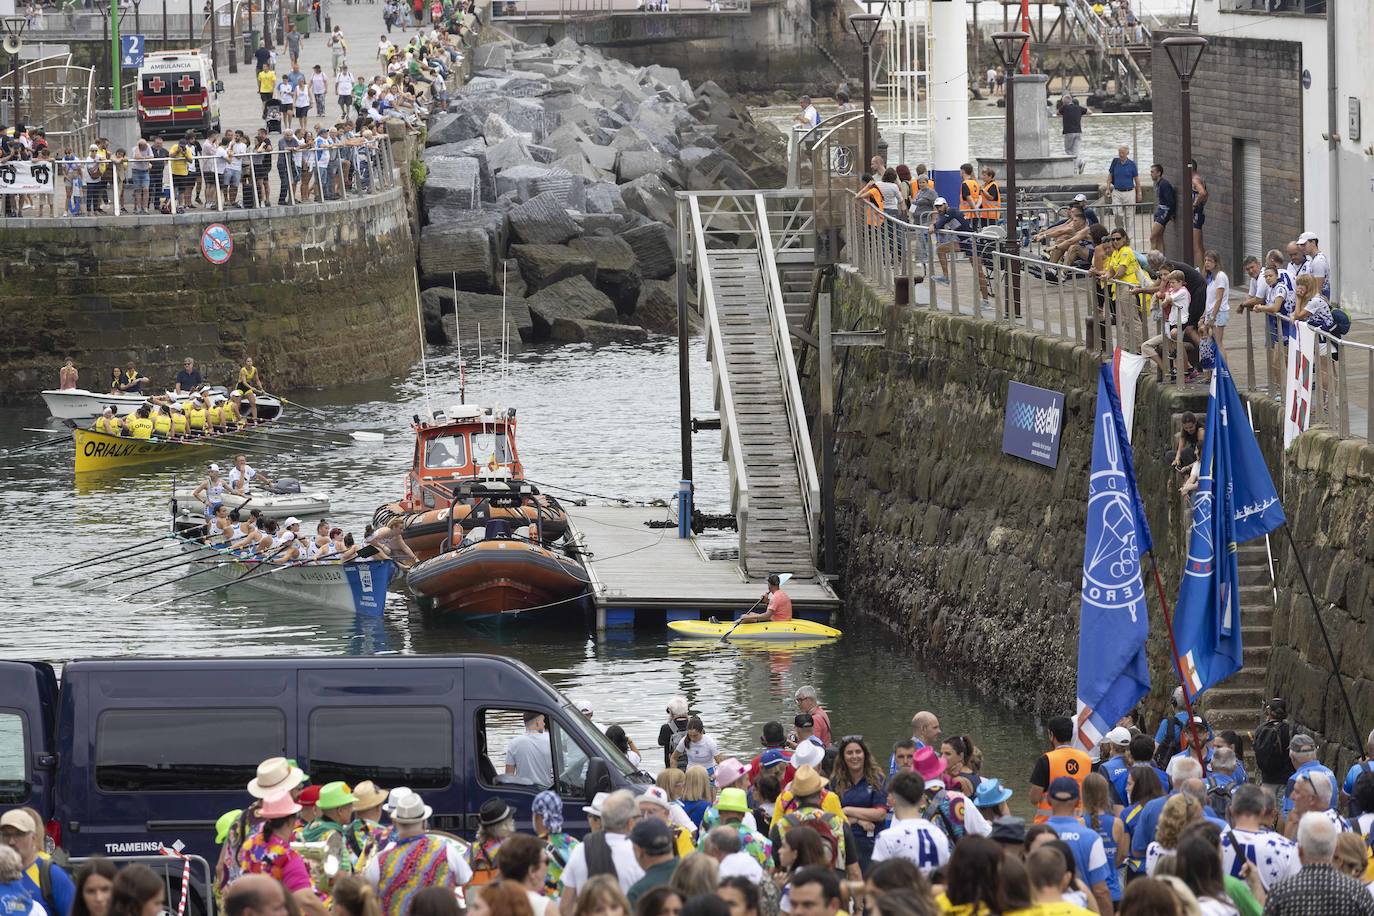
97,451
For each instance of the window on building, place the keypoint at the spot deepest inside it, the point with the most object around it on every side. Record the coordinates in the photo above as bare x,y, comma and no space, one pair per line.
391,745
187,750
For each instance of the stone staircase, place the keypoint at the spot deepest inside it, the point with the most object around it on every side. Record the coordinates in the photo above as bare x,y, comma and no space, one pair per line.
795,268
1235,703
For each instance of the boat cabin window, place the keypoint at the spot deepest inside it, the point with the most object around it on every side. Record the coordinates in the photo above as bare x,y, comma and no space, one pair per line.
185,750
13,775
393,745
484,445
446,452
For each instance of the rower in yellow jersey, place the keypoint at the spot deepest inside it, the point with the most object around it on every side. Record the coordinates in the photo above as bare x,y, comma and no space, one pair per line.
140,424
179,425
250,382
102,422
162,422
214,416
195,416
232,417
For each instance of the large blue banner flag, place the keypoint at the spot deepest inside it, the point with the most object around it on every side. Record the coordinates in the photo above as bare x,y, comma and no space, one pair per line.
1113,674
1235,501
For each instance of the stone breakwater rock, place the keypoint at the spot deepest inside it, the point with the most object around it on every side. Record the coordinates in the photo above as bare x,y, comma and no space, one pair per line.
478,313
557,168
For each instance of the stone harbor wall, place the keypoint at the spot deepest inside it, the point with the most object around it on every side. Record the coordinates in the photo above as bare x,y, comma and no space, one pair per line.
549,197
317,295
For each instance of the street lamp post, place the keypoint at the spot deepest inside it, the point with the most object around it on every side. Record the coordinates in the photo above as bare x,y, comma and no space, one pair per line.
14,34
865,26
138,25
1009,48
1185,51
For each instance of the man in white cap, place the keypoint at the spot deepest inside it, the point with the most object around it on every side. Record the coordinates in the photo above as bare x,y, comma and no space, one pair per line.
1088,212
45,882
593,811
1317,263
1113,751
606,852
275,775
654,803
958,237
437,861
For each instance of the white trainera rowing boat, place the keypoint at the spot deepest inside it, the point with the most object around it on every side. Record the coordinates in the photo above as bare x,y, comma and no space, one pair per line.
357,587
80,404
273,505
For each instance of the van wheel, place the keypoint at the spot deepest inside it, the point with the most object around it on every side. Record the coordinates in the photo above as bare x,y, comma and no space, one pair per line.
214,127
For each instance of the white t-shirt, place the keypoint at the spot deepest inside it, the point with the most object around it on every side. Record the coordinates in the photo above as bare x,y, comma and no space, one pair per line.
318,83
343,84
1211,906
741,865
532,756
702,753
1273,855
303,95
627,870
811,115
248,474
1319,267
239,150
1153,853
1221,282
457,864
915,839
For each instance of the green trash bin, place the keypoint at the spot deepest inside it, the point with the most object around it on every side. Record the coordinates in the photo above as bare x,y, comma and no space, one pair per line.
302,23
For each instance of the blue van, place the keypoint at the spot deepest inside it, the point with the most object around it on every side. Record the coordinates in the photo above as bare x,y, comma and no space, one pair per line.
127,755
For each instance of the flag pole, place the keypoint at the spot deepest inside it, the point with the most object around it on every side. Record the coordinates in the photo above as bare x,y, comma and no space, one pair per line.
1326,638
1178,663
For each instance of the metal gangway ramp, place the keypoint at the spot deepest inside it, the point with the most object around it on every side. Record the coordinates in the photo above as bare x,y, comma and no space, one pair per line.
731,240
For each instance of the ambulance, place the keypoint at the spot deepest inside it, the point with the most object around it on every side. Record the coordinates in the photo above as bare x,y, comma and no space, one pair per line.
177,92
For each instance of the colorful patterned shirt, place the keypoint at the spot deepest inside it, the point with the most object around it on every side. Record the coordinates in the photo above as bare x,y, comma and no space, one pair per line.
752,842
560,847
264,854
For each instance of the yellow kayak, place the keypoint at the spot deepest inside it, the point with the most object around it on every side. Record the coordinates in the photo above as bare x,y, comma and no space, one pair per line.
785,630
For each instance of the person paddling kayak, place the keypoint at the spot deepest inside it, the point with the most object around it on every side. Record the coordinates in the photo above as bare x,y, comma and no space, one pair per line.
779,605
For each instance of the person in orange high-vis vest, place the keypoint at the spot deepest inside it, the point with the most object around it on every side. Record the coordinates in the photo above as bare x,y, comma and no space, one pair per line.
991,193
873,216
1062,759
970,195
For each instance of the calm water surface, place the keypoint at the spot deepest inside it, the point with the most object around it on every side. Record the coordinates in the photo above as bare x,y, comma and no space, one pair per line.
602,421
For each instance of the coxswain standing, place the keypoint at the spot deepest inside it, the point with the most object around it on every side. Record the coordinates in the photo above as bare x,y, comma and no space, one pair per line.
250,382
211,491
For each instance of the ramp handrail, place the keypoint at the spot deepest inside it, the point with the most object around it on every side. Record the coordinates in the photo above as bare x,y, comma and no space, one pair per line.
725,400
791,388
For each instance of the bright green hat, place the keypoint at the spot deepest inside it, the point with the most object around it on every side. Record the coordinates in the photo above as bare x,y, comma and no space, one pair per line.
306,776
226,820
335,795
732,799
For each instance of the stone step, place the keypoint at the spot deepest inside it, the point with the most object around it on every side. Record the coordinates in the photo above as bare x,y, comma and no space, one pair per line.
1254,575
1248,678
1257,656
1256,617
1227,696
1256,636
1255,594
1241,720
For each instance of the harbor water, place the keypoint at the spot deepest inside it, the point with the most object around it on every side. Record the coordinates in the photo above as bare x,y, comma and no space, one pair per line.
602,421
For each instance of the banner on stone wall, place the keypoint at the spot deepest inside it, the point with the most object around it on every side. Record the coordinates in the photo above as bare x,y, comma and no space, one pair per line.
1035,417
26,177
1297,391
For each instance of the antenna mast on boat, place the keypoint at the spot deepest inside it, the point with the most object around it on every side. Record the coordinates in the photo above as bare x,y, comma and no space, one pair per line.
420,322
458,338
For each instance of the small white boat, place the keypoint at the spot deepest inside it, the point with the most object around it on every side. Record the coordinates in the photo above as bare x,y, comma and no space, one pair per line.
80,404
273,505
356,587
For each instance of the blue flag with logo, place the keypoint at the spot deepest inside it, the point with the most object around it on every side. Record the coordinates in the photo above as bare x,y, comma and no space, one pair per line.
1113,674
1235,501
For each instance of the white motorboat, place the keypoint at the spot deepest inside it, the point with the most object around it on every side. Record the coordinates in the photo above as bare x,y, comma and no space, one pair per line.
273,505
80,404
356,587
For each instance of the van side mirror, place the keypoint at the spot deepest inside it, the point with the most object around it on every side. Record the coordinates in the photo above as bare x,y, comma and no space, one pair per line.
598,778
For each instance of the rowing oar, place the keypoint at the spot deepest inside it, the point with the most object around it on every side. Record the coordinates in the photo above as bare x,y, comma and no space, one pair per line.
360,435
32,445
159,564
215,564
248,576
782,580
102,558
318,413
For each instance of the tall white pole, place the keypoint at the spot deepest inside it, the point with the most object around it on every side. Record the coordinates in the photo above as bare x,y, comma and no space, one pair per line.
948,96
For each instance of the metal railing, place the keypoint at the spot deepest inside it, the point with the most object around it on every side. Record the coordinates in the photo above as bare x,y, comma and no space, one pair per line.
1072,303
180,873
502,10
715,346
354,168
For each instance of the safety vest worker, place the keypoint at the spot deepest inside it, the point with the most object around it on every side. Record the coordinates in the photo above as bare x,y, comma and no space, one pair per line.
992,197
1064,760
140,425
970,194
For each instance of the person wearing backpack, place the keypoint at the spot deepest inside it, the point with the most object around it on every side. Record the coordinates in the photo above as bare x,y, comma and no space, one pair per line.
47,883
1167,743
1223,781
1364,765
1270,744
807,787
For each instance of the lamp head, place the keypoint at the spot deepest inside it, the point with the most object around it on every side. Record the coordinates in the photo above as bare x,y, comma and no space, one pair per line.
1184,53
865,26
1009,47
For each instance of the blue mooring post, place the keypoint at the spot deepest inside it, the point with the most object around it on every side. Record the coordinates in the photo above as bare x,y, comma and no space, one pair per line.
684,509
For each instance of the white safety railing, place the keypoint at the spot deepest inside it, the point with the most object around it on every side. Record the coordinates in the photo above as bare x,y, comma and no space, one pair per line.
715,347
338,170
1073,303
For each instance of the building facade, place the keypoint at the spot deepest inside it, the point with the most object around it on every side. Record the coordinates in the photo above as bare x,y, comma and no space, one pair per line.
1260,112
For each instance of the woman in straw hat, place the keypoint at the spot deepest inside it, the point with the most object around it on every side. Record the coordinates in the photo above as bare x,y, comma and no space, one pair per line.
275,774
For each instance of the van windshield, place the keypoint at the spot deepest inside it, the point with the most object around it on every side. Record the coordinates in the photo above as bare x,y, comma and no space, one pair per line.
602,745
